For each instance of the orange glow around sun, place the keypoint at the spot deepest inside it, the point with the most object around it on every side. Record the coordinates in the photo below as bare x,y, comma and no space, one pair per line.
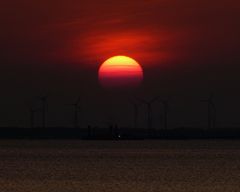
120,71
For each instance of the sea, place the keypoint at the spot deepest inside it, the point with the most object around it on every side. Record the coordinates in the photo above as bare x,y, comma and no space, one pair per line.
119,166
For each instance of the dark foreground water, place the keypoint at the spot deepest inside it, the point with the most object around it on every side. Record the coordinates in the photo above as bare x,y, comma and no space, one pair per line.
138,166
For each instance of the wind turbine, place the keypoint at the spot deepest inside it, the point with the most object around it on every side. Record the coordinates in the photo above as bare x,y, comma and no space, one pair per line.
165,104
32,117
44,106
149,103
211,112
136,113
76,113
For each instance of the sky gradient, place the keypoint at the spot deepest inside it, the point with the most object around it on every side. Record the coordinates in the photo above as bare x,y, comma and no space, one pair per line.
187,48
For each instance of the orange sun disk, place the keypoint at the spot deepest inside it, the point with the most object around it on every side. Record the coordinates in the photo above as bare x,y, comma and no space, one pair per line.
120,71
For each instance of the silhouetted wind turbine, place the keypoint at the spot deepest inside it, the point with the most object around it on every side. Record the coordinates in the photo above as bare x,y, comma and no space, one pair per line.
165,111
32,117
211,112
43,100
149,110
136,113
76,113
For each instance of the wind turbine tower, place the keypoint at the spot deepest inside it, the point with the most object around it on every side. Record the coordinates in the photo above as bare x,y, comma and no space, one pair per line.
44,109
165,104
77,109
136,113
32,117
149,111
211,112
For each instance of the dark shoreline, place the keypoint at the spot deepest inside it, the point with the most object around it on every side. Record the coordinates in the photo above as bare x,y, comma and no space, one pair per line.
117,133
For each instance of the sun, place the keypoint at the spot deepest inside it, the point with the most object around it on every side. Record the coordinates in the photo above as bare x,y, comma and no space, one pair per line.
120,72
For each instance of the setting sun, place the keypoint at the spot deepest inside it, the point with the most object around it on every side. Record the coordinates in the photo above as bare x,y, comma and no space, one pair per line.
120,71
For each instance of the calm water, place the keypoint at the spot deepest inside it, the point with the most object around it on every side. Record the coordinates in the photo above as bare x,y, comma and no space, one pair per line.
138,166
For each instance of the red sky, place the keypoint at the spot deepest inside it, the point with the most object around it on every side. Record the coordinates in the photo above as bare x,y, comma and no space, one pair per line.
187,47
89,31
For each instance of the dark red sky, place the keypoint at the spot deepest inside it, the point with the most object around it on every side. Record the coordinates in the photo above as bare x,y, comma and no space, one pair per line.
187,46
151,31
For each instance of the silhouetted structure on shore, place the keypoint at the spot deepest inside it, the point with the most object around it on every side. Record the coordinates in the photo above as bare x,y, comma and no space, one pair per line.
211,114
165,103
165,108
135,113
149,111
44,103
77,109
116,133
32,117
